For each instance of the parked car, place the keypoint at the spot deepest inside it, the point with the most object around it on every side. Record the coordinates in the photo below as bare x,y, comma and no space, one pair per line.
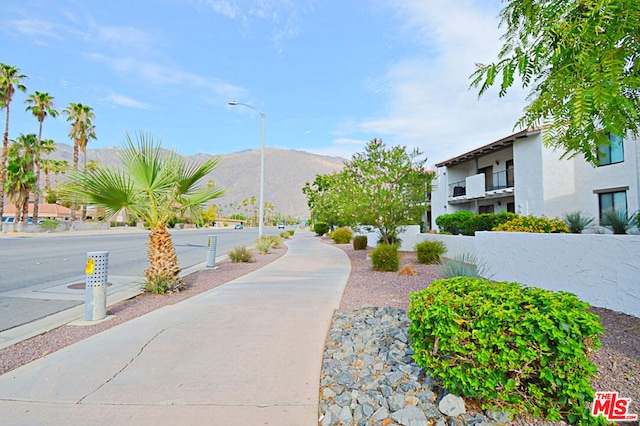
238,226
281,226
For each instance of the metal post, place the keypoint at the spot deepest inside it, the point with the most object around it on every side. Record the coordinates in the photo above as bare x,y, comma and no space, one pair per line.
95,305
211,251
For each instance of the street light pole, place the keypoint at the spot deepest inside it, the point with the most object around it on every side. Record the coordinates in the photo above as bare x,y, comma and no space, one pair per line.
261,196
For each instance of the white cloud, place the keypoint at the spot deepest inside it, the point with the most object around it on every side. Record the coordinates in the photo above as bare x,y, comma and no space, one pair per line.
163,74
429,101
282,15
128,102
38,30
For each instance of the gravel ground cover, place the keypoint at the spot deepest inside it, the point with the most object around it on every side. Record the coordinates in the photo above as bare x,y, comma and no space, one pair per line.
618,360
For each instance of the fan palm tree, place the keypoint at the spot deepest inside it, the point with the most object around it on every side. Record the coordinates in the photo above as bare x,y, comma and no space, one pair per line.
40,104
155,186
81,131
10,79
53,166
20,175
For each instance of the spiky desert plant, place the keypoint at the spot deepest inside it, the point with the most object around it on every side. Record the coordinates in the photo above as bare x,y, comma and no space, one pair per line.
240,254
617,221
577,221
464,265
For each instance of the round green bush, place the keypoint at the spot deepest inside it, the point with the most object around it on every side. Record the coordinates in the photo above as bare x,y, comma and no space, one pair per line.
341,236
360,242
430,251
320,229
513,348
385,258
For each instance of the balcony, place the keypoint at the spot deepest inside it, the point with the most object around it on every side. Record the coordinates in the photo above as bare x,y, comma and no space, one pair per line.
458,189
482,185
500,180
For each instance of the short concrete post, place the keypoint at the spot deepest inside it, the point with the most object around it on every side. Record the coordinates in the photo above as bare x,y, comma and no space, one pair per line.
95,304
211,251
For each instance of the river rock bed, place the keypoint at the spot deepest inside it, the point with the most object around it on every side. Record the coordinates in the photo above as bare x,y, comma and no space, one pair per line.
369,377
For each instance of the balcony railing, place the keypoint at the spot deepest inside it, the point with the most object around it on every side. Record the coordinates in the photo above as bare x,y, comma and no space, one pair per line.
458,189
501,180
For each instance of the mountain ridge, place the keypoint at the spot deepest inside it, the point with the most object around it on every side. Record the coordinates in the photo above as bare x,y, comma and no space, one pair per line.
285,173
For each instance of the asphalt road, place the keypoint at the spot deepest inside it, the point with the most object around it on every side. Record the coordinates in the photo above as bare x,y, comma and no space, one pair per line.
32,263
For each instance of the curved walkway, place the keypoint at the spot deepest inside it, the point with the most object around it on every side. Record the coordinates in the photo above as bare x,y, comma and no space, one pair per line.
246,353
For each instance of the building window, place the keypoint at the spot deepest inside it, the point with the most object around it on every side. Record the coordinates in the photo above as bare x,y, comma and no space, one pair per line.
485,209
616,201
612,153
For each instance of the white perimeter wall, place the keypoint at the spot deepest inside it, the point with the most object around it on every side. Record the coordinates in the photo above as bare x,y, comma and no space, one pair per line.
603,270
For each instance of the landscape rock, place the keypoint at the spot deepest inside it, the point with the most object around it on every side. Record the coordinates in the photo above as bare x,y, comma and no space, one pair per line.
452,405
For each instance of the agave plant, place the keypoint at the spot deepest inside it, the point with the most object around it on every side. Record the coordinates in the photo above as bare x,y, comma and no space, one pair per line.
464,265
617,221
156,186
577,221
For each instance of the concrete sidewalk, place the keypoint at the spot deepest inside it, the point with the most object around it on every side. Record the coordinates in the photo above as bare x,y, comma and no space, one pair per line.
246,353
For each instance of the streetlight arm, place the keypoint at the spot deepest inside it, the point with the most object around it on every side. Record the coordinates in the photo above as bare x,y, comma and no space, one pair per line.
233,103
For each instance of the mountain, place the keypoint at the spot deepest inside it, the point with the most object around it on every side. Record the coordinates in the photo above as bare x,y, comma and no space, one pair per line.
285,173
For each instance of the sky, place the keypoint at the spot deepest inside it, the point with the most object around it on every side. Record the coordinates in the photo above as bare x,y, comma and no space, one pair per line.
328,75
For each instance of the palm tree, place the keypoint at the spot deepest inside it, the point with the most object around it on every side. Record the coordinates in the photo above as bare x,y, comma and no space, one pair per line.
20,175
41,105
53,166
10,78
81,131
47,146
153,185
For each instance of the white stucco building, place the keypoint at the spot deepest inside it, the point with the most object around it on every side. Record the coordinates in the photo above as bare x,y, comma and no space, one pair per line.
519,174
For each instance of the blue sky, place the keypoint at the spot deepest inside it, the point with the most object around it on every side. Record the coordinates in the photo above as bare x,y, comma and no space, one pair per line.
329,75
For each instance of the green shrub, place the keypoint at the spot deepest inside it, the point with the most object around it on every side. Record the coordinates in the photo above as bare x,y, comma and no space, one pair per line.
464,265
467,223
534,224
455,223
513,348
385,258
285,235
360,242
265,243
163,284
577,222
341,236
430,251
240,254
276,241
291,232
320,229
617,221
49,225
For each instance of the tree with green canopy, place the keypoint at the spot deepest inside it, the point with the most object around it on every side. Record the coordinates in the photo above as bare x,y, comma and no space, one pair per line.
580,60
385,188
153,185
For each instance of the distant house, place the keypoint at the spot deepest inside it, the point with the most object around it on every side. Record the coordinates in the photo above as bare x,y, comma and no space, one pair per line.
45,211
519,174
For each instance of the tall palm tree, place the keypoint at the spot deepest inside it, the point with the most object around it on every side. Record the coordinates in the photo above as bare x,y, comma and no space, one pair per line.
81,131
40,104
10,80
20,173
47,146
53,166
155,186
